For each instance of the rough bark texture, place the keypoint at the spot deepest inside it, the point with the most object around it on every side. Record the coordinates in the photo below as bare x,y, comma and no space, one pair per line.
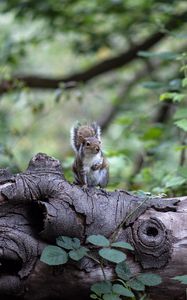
39,205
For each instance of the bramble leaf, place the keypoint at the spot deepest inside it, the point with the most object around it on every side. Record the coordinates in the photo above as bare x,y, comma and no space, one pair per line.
121,290
122,245
149,279
112,255
182,278
98,240
78,253
111,297
136,285
54,255
67,242
102,287
123,271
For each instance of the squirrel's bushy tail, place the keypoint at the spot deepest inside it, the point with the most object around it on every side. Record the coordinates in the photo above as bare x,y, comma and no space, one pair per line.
80,131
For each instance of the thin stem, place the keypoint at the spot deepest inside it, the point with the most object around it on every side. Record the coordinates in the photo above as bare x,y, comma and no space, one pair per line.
126,218
102,268
92,257
183,151
100,263
185,67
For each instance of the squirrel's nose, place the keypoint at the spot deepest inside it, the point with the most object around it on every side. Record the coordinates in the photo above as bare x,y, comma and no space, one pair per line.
97,149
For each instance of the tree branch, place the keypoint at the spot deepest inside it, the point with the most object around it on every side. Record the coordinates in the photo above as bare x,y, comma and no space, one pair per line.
34,81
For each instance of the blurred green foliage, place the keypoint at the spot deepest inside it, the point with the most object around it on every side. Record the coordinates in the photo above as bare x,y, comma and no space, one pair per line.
145,141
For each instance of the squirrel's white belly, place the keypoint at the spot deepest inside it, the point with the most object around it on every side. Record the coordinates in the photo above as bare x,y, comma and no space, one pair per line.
93,176
96,177
89,161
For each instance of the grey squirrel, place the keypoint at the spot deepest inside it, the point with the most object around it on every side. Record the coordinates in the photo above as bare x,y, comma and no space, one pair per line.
90,167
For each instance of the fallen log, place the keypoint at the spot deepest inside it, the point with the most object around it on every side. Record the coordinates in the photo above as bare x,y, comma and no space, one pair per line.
39,205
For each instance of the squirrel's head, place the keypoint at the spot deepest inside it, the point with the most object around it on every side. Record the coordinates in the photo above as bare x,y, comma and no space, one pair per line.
91,145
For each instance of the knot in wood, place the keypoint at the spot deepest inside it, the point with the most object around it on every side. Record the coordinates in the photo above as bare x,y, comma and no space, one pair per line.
151,233
152,242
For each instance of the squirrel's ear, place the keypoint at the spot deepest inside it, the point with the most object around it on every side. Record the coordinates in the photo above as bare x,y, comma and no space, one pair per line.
81,139
97,130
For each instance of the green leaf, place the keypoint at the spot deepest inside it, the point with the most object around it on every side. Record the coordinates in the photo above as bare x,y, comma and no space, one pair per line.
67,242
122,245
111,297
123,271
184,82
53,256
161,55
98,240
175,97
144,297
181,147
153,133
174,181
181,113
112,255
102,287
183,172
136,285
121,290
182,278
93,296
78,253
183,68
153,85
149,279
124,120
182,124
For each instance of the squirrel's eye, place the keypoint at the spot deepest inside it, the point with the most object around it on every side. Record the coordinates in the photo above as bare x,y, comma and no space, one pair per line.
87,143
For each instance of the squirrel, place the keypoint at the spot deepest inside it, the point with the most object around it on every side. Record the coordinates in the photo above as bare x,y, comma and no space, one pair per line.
90,167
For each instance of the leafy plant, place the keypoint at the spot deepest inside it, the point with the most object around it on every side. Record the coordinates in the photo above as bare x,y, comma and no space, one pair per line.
125,282
174,93
182,279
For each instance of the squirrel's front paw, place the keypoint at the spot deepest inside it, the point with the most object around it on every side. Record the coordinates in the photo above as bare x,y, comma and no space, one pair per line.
96,167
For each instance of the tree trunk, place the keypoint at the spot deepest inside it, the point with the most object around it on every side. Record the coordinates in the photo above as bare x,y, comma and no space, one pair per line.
39,205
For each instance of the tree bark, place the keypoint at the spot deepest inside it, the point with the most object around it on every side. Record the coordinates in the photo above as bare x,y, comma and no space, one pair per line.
39,205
